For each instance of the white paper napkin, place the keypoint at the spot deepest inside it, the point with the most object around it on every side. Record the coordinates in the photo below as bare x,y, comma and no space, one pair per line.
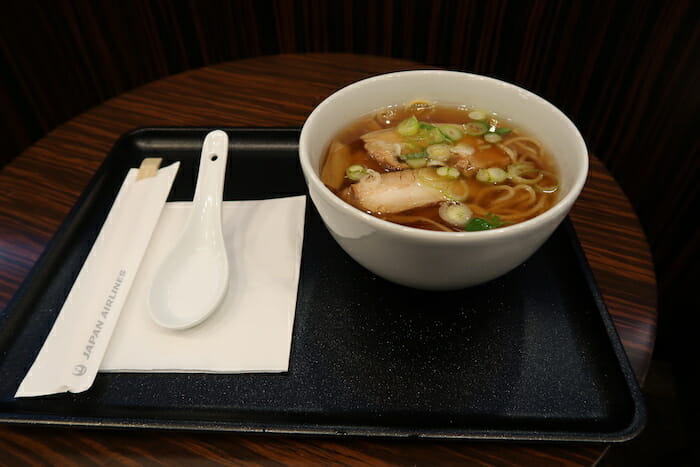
252,329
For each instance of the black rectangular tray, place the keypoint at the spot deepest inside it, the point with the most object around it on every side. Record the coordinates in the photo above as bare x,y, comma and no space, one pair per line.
531,356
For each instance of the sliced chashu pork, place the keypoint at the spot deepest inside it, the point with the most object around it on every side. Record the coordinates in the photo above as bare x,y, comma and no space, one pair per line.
384,146
391,192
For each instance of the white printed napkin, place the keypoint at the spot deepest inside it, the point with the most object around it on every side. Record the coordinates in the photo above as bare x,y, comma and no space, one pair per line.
252,329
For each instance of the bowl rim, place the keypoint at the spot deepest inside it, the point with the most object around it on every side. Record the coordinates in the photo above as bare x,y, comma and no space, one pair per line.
559,210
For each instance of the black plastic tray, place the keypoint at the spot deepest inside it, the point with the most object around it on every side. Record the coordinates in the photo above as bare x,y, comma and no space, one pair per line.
531,356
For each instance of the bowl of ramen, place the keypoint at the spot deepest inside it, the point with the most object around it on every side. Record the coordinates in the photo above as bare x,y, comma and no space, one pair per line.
440,180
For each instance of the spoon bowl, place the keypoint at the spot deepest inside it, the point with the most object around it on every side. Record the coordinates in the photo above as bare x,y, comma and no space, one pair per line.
193,279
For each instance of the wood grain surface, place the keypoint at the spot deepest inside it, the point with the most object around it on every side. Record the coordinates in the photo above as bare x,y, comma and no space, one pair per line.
38,189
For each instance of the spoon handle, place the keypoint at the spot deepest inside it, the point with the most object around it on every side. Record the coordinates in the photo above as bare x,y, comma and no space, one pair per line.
212,170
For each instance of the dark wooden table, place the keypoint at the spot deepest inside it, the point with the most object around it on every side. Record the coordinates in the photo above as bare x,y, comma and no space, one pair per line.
39,187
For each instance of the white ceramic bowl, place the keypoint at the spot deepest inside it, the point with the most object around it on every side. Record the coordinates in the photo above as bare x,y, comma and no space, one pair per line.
440,260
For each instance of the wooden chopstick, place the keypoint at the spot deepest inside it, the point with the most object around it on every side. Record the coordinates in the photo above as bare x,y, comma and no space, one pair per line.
149,167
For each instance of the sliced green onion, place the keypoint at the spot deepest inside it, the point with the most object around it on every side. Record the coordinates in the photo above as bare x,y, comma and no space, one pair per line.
449,172
426,126
455,213
492,175
503,130
356,172
492,137
475,128
410,147
414,155
438,152
477,115
452,132
417,163
408,127
415,160
435,135
483,223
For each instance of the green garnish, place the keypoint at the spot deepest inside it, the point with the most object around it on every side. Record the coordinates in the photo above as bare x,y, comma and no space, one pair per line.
492,175
449,172
435,136
415,160
504,130
476,128
492,137
408,127
489,222
452,132
415,155
356,172
410,147
417,163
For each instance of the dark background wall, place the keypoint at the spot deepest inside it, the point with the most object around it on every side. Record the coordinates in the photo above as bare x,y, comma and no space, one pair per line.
627,73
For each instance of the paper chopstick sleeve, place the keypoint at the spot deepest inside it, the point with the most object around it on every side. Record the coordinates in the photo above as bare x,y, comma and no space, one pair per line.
72,353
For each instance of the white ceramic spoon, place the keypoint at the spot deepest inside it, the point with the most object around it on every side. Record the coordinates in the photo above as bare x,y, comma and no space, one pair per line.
192,280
